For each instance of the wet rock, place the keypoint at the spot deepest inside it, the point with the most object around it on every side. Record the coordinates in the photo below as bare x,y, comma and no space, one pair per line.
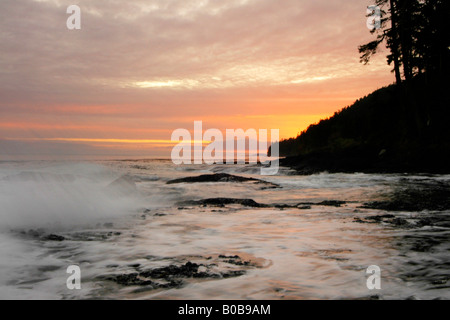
415,197
220,202
48,268
332,203
374,219
373,297
441,280
53,237
234,273
93,235
131,279
187,270
381,217
399,222
170,276
327,203
434,221
235,260
359,220
229,257
220,177
387,218
159,214
423,243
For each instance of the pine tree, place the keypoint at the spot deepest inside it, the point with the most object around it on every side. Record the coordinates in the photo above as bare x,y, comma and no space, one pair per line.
417,33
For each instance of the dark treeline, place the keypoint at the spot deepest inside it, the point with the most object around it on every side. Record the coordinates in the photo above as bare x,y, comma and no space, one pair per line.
417,33
403,127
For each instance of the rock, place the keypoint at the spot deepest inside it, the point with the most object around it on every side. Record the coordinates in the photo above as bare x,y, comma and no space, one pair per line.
380,217
224,201
131,279
53,237
441,281
359,220
170,276
187,270
93,235
159,214
177,275
236,273
332,203
387,218
229,257
220,177
415,197
327,203
399,222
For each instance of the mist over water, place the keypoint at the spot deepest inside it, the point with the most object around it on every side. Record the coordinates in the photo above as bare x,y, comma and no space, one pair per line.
62,195
312,239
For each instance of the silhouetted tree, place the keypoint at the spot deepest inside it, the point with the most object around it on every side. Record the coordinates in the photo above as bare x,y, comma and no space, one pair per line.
387,32
433,45
417,34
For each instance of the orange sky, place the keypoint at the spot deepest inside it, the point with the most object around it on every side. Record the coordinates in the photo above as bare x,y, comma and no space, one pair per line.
137,70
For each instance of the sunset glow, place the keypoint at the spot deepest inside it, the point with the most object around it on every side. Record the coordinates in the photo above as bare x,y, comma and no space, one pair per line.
136,71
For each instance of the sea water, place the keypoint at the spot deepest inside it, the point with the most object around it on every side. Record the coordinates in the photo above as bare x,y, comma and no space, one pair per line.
121,217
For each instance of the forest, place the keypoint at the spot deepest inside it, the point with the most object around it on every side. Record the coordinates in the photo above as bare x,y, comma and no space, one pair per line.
403,127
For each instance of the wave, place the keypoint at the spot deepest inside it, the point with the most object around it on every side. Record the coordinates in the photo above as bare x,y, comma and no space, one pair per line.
63,195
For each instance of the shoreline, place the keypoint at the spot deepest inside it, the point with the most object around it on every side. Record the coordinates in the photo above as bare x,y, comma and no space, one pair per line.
350,163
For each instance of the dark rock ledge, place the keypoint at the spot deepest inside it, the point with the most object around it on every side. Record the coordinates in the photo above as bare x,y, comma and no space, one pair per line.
176,276
221,177
221,202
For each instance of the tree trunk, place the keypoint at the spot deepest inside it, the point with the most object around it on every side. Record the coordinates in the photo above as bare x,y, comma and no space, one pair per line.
395,45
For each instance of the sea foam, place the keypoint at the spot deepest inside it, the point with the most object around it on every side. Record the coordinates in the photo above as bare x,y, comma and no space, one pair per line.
63,195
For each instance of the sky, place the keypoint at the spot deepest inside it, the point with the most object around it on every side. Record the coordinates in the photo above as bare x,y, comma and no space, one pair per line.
139,69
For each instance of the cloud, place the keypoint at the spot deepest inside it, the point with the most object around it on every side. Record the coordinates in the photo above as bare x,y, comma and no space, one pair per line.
174,41
156,59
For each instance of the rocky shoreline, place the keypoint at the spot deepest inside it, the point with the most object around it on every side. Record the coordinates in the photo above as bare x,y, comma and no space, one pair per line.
178,275
360,161
222,177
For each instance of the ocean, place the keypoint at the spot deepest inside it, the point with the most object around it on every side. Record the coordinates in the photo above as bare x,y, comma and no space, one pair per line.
133,235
